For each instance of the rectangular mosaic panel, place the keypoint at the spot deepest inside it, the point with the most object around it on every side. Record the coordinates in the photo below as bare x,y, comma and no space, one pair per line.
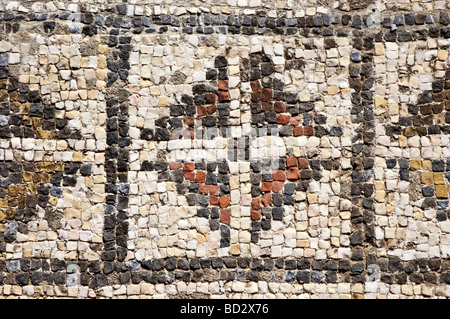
235,149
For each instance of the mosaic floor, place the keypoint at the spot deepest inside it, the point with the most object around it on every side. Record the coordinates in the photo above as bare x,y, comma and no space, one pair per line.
225,149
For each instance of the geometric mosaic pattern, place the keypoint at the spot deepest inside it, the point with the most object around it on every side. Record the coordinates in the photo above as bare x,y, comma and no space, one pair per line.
244,149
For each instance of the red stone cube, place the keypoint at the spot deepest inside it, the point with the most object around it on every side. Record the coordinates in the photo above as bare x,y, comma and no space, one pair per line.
214,200
298,131
201,110
266,94
303,163
267,106
283,119
188,120
291,162
279,176
296,120
210,98
189,176
255,85
279,107
203,189
256,203
174,165
224,96
293,173
211,109
277,186
255,214
266,199
222,85
308,130
200,177
256,96
225,216
213,189
266,186
224,201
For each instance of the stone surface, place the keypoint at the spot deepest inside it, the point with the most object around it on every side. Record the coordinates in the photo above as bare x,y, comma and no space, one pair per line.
231,149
